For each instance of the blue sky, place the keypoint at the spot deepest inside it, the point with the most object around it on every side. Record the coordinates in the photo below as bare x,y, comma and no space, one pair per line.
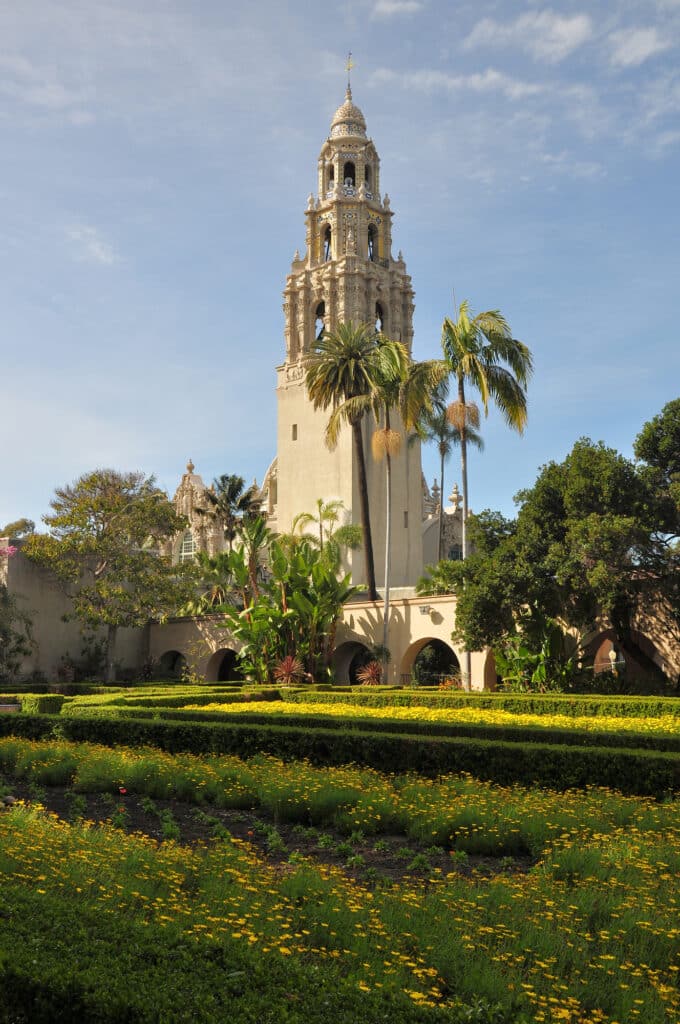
157,158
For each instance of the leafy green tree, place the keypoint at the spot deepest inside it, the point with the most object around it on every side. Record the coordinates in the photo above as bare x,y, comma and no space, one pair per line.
339,369
17,529
102,547
584,548
657,446
16,639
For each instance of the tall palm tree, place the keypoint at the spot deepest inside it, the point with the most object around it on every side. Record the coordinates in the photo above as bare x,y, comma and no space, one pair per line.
435,427
397,384
407,388
480,352
230,501
339,369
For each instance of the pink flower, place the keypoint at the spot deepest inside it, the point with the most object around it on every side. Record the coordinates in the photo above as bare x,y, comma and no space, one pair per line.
122,790
8,551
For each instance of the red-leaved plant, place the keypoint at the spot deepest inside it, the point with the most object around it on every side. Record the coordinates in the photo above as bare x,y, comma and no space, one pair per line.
370,674
289,671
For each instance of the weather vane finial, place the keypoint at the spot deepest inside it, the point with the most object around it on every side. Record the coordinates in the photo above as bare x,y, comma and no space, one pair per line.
348,67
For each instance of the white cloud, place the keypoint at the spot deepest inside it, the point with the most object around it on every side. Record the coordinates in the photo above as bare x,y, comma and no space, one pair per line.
633,46
37,87
429,81
388,8
545,35
89,246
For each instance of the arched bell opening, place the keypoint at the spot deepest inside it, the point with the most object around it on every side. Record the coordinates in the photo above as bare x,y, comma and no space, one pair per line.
372,243
319,320
327,243
379,318
349,175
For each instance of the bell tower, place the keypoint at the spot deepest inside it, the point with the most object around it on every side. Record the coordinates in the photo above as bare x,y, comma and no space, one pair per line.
347,273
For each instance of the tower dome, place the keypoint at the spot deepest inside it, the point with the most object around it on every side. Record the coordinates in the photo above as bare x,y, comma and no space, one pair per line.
348,119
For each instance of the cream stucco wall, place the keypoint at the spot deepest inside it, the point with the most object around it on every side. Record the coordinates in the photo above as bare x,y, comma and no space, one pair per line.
41,597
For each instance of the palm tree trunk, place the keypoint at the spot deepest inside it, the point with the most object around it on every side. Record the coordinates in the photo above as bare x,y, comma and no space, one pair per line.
467,666
441,507
388,537
463,468
363,505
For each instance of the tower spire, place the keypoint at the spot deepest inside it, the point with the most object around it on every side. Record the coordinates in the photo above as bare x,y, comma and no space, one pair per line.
348,67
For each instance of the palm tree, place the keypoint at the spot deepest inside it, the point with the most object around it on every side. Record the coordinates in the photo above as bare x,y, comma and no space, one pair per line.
331,538
435,427
230,501
340,369
406,387
481,352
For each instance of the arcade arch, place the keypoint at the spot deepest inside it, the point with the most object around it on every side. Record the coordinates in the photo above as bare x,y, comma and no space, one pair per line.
222,667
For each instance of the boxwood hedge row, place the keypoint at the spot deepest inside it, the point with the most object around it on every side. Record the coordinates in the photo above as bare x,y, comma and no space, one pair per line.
512,733
518,703
633,771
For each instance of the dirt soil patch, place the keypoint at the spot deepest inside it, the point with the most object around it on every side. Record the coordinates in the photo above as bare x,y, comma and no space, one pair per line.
368,858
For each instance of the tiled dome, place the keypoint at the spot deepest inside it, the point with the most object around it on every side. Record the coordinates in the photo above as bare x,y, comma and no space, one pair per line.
348,119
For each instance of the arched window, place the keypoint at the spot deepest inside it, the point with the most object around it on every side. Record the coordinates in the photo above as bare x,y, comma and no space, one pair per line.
327,236
372,243
187,548
367,175
379,318
319,324
349,174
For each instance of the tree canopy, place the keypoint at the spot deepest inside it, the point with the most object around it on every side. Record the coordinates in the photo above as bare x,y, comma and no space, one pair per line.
589,543
103,549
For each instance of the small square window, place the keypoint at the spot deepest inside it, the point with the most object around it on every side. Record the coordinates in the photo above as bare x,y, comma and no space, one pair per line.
294,432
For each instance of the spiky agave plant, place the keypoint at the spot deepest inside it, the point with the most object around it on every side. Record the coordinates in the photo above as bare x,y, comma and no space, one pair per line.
289,671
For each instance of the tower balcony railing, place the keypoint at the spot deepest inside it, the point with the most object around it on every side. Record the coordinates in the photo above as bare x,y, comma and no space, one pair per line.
351,191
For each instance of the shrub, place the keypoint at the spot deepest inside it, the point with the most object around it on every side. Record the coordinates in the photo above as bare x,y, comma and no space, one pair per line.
42,703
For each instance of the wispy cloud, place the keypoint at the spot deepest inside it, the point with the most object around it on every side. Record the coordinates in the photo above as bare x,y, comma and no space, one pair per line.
633,46
89,246
390,8
35,86
545,35
431,80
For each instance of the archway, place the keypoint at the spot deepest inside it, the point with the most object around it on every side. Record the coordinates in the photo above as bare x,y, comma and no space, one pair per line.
348,658
223,667
171,665
443,661
434,663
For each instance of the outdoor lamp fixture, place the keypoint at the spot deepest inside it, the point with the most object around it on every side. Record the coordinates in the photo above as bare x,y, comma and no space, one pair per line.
616,659
424,609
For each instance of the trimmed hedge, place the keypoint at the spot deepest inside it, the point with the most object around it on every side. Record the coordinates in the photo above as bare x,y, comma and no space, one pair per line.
42,703
509,733
515,703
633,771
